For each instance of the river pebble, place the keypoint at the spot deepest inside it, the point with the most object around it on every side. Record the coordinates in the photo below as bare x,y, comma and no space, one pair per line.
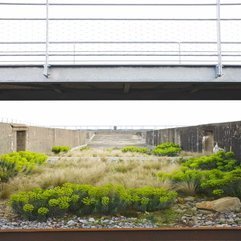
188,216
75,222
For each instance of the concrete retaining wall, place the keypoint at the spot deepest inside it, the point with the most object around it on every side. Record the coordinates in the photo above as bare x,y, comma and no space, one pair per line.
40,139
7,138
227,135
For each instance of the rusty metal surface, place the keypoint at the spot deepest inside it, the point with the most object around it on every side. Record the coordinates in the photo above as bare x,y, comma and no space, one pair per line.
187,234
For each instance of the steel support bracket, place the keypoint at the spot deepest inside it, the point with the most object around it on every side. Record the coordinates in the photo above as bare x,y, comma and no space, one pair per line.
46,70
219,71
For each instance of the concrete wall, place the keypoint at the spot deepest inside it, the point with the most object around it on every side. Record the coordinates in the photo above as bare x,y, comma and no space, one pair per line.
7,138
227,135
40,139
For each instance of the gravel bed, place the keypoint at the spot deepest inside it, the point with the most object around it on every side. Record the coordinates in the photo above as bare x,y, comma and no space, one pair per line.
187,216
77,222
193,217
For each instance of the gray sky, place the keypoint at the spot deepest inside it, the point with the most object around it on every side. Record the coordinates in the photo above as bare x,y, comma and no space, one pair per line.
109,113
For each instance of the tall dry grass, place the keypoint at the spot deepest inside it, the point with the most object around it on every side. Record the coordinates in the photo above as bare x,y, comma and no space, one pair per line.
188,188
128,169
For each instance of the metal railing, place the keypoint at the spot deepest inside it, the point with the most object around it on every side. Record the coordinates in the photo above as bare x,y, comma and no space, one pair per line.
117,127
105,48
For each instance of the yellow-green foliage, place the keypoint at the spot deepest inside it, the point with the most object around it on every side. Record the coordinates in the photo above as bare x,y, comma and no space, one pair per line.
223,161
7,170
167,149
130,171
135,149
217,174
58,149
23,161
87,199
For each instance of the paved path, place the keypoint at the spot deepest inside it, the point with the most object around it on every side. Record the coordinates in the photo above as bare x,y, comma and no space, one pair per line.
116,139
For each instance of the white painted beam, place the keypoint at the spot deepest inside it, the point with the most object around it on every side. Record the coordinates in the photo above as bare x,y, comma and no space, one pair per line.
85,74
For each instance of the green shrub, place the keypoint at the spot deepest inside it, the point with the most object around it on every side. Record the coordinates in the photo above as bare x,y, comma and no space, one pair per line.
7,170
214,175
220,183
84,148
24,161
135,149
167,149
85,199
151,198
58,149
223,161
218,192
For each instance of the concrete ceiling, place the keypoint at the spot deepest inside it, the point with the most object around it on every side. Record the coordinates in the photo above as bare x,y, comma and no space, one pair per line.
120,91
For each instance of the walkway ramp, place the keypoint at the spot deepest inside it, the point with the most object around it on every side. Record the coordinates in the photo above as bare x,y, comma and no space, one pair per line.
116,139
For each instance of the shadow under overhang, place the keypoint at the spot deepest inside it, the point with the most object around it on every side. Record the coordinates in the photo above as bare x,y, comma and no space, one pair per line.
120,91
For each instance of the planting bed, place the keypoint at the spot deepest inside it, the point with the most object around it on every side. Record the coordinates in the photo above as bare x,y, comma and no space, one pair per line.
114,188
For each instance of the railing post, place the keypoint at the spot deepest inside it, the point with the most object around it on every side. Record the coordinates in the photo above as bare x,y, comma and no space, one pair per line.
74,54
219,70
179,53
46,65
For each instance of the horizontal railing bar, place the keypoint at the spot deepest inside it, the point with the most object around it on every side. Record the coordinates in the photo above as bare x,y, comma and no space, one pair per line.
117,42
124,51
127,60
121,4
114,51
119,19
110,55
21,42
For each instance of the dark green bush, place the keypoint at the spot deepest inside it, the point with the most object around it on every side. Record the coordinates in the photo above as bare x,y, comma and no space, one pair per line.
24,161
214,175
58,149
135,149
85,199
167,149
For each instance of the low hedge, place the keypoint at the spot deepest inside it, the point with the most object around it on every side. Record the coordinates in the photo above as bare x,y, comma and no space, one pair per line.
58,149
167,149
86,199
23,161
135,149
